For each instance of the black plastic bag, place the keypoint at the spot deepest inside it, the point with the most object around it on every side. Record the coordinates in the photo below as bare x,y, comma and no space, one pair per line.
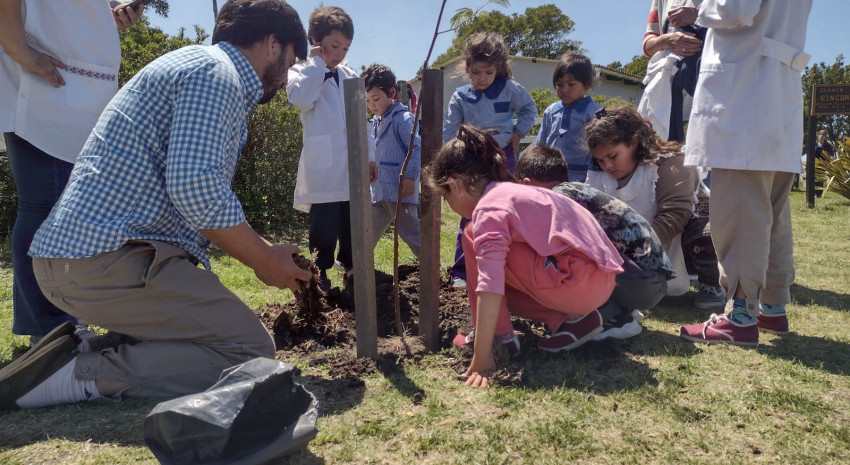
253,414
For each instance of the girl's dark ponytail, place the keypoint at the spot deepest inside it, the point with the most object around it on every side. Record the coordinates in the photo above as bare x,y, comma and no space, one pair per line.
472,155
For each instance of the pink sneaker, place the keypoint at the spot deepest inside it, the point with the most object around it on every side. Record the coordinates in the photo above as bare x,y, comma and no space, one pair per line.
719,329
509,341
776,324
572,334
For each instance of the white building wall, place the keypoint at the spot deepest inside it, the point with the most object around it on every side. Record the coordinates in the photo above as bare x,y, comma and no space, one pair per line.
535,73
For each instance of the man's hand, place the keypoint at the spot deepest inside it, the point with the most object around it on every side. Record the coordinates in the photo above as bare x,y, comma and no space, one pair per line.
280,270
272,264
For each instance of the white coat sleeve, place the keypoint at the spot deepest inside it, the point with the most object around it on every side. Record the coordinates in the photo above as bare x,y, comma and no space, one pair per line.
728,14
304,81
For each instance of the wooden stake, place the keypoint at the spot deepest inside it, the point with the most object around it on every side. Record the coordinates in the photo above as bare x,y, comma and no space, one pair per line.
365,307
431,103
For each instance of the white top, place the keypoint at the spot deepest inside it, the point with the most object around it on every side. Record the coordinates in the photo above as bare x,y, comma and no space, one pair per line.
639,193
748,105
323,167
81,34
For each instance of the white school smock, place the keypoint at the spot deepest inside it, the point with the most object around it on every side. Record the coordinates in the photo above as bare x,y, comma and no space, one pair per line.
747,111
323,167
639,194
82,35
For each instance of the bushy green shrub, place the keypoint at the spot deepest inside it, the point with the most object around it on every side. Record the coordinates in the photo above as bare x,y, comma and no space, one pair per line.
265,177
836,173
8,197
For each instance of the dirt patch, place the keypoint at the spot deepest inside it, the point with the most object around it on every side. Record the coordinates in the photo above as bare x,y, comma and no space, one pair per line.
321,328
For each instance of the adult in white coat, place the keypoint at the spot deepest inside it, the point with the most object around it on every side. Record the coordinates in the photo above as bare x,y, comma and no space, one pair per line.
746,124
58,68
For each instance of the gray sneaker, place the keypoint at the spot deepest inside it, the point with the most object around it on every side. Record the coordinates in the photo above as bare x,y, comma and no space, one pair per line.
709,297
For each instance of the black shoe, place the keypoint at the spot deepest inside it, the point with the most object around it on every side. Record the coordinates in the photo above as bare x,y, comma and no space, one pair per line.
324,282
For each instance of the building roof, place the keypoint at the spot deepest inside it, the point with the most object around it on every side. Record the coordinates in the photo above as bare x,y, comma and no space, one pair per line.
603,72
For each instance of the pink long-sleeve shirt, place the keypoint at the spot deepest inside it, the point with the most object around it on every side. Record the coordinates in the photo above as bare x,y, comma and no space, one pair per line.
549,222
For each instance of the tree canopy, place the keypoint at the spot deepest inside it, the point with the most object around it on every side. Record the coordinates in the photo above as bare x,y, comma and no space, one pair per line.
636,67
143,43
539,32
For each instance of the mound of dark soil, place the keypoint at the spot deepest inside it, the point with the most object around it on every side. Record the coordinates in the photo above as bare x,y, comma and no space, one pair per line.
314,321
321,328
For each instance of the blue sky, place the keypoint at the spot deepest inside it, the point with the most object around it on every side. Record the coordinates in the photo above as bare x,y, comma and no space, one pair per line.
611,30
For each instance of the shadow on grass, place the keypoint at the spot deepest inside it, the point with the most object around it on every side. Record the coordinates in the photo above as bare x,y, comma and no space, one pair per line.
334,395
814,352
829,299
679,310
96,422
301,457
393,370
602,367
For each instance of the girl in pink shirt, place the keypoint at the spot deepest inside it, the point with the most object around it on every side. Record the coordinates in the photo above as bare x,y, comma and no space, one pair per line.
529,249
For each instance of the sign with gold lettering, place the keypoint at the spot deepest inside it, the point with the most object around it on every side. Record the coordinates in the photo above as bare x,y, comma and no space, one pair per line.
831,99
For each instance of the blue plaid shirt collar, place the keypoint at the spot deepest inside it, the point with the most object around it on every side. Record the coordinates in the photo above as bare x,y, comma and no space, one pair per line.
253,85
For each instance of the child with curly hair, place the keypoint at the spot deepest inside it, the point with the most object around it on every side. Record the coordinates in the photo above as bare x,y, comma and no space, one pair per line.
633,164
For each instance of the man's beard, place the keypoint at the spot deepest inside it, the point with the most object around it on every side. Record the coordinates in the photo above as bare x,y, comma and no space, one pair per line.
273,79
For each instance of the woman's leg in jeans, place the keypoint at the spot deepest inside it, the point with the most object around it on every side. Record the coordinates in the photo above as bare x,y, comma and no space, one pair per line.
39,179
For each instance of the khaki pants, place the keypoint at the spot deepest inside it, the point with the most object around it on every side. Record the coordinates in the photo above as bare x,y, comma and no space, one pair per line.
189,326
751,229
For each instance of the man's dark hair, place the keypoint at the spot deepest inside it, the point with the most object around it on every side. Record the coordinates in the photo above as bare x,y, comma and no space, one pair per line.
576,65
381,77
325,20
246,22
541,163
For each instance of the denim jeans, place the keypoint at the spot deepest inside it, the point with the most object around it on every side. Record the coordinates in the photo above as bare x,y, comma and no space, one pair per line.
39,179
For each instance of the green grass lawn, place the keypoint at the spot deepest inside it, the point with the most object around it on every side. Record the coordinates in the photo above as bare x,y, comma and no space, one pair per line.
652,399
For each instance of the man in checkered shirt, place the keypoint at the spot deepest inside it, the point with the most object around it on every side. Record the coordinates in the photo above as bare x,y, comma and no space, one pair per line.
150,191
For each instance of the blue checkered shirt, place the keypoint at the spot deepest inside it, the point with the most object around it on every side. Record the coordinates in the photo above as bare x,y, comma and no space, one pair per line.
492,109
392,138
160,161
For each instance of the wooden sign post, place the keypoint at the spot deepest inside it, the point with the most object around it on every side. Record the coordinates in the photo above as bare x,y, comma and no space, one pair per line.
365,306
431,100
827,100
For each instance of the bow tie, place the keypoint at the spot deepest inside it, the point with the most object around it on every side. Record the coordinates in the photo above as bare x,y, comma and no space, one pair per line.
333,74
